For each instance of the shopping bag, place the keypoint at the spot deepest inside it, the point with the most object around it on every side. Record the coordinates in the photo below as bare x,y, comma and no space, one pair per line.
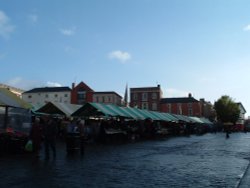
29,146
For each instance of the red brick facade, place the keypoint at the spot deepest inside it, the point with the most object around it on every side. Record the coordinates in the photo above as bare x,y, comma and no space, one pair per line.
81,94
184,106
146,98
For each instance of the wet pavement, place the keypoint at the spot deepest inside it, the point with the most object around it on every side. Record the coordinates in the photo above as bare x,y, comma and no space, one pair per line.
210,160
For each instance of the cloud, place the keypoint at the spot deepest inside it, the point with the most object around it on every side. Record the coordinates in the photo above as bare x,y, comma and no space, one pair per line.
25,84
22,83
172,92
68,32
53,84
5,27
247,28
120,56
33,18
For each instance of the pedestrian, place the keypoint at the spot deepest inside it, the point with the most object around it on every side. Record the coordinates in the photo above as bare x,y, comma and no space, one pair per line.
81,129
50,133
36,136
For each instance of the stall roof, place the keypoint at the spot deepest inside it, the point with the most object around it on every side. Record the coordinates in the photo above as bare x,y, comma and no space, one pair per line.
196,120
110,110
94,109
57,108
206,121
7,98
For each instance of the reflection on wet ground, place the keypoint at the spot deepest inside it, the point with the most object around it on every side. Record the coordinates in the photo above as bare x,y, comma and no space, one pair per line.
196,161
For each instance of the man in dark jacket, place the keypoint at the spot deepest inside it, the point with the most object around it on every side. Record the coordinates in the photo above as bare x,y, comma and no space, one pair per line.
50,132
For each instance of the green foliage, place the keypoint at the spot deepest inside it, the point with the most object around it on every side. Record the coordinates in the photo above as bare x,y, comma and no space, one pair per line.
227,110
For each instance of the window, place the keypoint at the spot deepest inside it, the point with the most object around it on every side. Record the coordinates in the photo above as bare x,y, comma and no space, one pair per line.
30,96
190,105
46,96
109,99
56,95
81,97
135,96
179,108
145,105
154,95
103,99
154,106
190,111
97,99
144,96
65,95
169,108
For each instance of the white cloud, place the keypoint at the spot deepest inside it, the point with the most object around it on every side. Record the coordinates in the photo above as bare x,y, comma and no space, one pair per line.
172,92
247,28
68,32
24,84
33,18
5,27
119,55
21,83
53,84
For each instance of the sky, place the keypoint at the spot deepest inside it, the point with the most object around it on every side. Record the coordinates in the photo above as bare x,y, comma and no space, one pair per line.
186,46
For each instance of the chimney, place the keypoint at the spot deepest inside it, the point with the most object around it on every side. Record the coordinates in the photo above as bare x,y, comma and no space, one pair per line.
189,95
73,85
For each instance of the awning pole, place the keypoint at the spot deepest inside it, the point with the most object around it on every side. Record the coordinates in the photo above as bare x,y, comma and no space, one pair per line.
6,117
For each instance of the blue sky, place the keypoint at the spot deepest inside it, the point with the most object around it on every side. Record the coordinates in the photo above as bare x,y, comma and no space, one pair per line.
186,46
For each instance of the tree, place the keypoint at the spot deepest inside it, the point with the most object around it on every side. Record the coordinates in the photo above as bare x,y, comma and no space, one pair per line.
227,110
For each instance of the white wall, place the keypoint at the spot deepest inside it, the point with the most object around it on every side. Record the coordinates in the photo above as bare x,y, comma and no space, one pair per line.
44,97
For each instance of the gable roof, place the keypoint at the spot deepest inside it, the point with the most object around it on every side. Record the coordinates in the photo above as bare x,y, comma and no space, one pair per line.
242,107
48,89
83,85
179,100
58,108
7,98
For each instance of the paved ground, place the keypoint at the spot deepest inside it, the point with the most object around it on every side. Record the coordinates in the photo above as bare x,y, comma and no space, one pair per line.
210,160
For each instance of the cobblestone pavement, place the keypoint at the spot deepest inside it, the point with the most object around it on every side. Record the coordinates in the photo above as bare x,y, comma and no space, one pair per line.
210,160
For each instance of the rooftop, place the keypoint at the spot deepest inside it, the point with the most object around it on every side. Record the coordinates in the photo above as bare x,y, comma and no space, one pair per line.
179,100
48,89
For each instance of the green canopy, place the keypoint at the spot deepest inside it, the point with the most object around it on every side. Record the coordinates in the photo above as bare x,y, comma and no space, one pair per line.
111,110
57,108
96,109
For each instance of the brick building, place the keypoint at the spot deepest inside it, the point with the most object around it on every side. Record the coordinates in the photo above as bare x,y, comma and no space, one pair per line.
146,98
188,106
81,93
107,97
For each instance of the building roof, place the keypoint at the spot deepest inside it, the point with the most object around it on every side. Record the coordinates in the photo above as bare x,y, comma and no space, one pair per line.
82,85
242,107
11,88
146,88
107,92
48,89
179,100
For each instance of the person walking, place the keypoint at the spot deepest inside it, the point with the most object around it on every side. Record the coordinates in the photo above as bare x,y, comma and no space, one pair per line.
50,133
36,136
81,128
